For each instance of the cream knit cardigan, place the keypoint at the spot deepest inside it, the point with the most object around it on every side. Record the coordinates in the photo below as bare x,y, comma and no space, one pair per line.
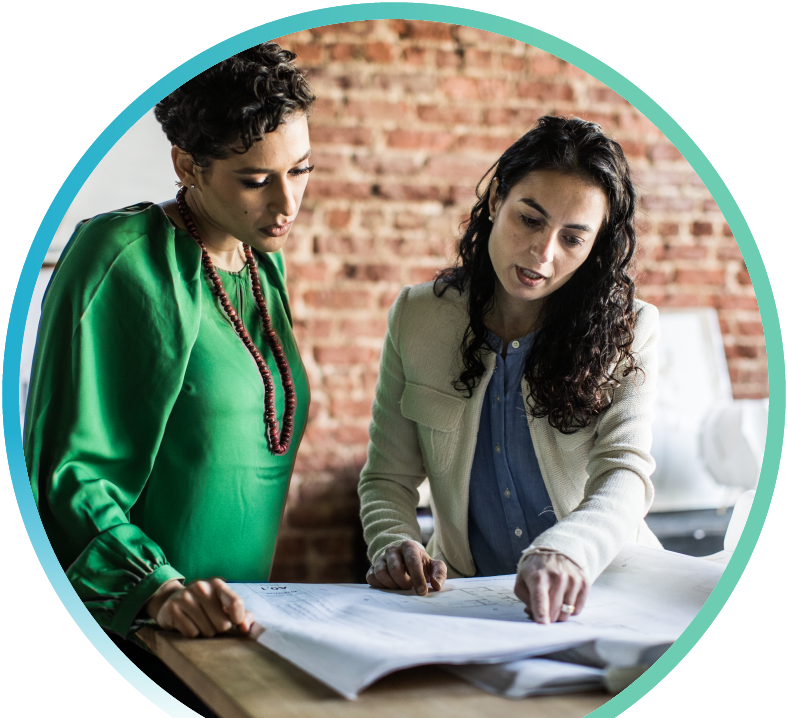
597,478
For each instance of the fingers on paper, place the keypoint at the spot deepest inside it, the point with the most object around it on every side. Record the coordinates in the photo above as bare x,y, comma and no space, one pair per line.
547,583
437,573
407,565
415,564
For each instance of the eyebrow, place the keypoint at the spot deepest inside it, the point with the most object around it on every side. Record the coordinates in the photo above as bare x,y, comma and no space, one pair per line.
265,171
538,207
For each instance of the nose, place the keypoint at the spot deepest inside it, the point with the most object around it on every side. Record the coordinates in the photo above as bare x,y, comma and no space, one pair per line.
282,200
543,248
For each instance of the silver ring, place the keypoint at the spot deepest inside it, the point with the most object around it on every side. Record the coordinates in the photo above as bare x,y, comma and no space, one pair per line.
568,608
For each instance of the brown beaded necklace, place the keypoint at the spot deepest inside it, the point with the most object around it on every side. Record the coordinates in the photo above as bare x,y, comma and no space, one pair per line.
276,444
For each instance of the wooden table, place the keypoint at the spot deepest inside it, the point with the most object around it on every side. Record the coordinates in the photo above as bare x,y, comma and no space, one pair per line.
239,678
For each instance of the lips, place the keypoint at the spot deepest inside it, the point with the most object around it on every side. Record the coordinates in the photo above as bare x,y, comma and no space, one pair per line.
529,278
277,230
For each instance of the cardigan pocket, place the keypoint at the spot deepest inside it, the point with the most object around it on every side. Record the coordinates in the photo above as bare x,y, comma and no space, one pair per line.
439,418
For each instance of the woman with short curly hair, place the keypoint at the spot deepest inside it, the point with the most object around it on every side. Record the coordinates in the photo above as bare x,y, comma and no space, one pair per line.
521,382
168,397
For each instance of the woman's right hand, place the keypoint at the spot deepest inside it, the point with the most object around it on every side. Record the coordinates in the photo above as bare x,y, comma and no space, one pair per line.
407,565
201,608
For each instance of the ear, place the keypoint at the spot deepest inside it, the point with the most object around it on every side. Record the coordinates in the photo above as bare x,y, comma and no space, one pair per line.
184,166
494,200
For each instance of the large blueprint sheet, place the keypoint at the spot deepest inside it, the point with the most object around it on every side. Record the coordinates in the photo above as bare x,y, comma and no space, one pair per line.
348,636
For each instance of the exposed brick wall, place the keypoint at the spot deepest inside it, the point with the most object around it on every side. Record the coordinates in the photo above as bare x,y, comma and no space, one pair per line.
410,116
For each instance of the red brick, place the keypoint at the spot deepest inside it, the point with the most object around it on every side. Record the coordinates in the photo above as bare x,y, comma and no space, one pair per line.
668,229
742,351
381,52
461,88
417,275
343,244
418,193
743,277
521,117
545,91
681,300
352,434
371,272
752,329
313,328
632,149
664,151
414,83
493,89
307,53
701,229
422,30
668,204
451,115
345,407
448,59
319,189
415,140
695,276
343,51
680,252
329,161
511,63
736,302
485,143
344,355
307,271
605,94
727,231
377,110
338,299
341,135
368,327
474,36
454,166
414,55
337,218
481,59
655,278
542,63
733,253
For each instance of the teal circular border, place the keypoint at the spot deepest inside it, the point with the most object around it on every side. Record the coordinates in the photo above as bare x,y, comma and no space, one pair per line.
406,11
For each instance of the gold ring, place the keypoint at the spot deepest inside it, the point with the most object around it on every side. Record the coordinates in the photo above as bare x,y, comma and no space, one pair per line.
568,608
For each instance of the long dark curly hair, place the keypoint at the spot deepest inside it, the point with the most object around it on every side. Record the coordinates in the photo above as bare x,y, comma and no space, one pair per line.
233,104
587,325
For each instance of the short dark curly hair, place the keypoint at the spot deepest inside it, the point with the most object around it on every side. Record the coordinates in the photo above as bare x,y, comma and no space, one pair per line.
234,103
588,325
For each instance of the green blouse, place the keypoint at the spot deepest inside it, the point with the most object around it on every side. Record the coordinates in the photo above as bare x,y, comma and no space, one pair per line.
145,438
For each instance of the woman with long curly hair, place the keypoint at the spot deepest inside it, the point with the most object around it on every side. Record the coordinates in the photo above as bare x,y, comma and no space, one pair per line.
521,381
168,396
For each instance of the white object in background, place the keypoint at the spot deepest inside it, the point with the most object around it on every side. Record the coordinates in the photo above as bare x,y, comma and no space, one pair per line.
693,378
733,440
137,169
29,339
735,527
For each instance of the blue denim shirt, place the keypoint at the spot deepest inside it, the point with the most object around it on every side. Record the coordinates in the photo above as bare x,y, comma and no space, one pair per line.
508,505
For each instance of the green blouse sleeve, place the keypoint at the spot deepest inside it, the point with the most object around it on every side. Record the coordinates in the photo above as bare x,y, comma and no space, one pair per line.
119,320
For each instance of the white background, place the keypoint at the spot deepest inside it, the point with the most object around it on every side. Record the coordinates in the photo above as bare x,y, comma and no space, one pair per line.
70,68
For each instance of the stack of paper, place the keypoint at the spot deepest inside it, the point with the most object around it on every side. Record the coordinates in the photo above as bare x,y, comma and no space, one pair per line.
348,636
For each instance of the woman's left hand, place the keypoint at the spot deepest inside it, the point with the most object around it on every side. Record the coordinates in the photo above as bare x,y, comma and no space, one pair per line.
547,583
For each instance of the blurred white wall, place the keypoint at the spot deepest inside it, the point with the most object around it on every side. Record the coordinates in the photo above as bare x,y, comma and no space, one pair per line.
138,168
